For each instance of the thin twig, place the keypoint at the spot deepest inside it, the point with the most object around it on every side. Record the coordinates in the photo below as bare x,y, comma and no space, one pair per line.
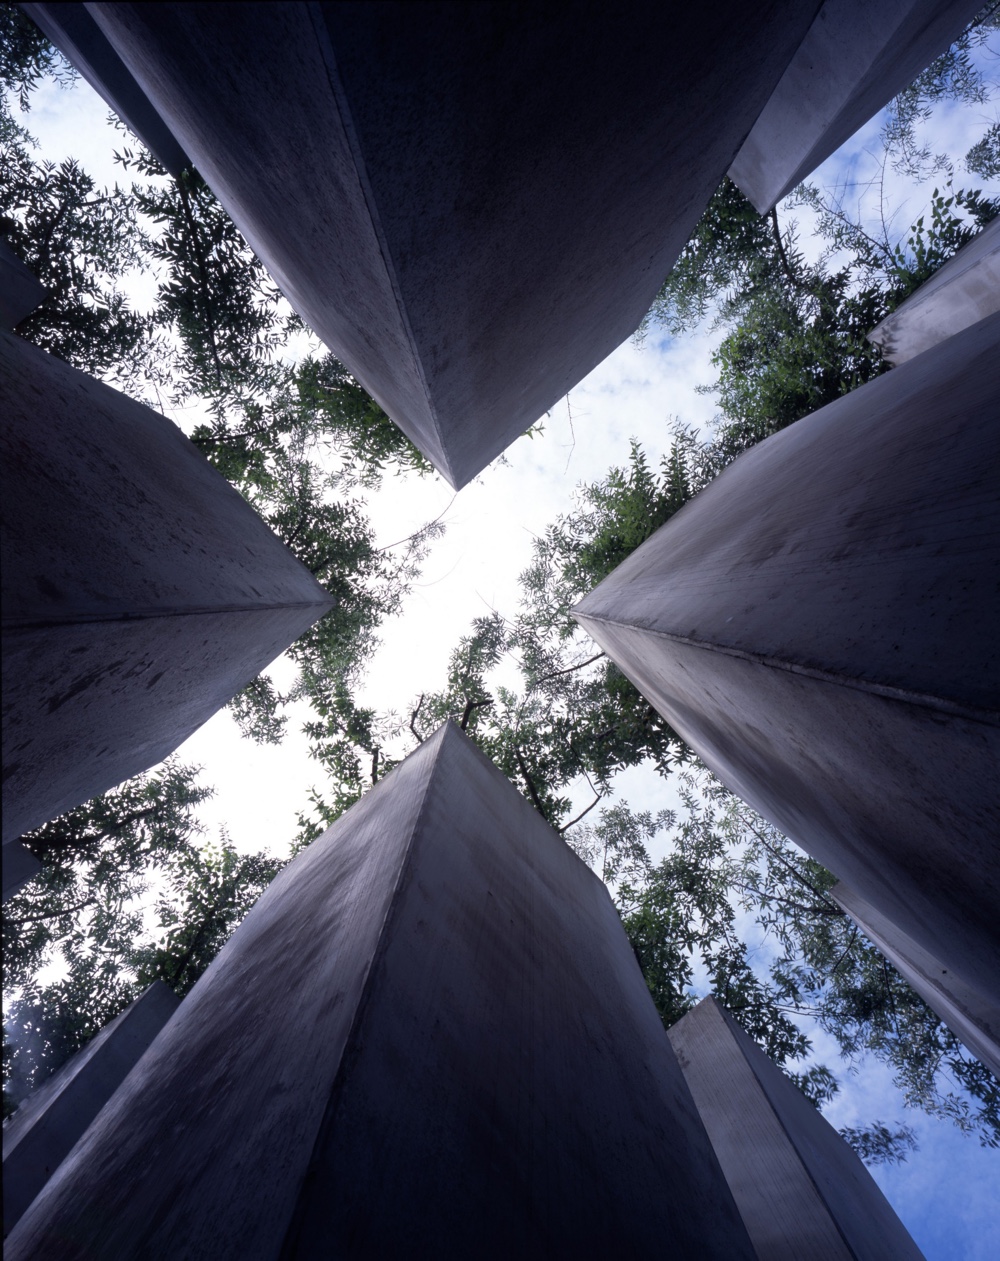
566,826
569,669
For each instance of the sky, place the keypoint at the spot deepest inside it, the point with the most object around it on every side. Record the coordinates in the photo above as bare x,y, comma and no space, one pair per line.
948,1191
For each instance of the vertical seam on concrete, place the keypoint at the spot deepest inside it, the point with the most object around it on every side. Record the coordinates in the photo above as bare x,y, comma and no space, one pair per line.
347,122
289,1246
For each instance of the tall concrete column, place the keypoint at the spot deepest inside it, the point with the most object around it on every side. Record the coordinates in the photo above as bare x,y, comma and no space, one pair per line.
78,37
854,59
20,291
19,866
972,1017
140,590
962,292
820,625
430,1038
801,1190
472,205
47,1125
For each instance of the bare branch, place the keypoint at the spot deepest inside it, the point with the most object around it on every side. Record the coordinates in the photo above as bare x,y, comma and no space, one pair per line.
566,826
413,719
569,669
33,919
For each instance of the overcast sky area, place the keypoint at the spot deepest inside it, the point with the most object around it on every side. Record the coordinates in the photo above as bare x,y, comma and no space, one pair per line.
947,1193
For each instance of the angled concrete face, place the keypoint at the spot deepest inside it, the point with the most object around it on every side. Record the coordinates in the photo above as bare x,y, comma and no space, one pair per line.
140,590
972,1017
430,1038
19,866
81,41
963,292
47,1125
471,205
820,625
854,59
20,292
801,1190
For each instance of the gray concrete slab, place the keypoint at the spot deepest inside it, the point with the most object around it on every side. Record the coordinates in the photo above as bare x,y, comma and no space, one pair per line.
82,42
802,1191
820,625
140,590
430,1038
48,1124
972,1017
472,205
19,866
963,292
854,59
20,292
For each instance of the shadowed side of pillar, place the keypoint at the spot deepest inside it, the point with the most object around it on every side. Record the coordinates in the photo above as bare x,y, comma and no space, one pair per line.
19,866
429,1038
47,1125
819,624
854,59
962,292
801,1190
140,590
471,205
971,1016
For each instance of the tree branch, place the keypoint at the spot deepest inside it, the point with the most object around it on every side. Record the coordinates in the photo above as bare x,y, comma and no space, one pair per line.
566,826
569,669
34,919
413,719
470,706
776,232
531,784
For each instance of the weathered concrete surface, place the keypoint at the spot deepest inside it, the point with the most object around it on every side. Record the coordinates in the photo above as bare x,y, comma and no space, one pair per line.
19,866
801,1190
47,1125
20,292
965,290
430,1038
972,1017
855,58
820,625
82,42
140,590
471,204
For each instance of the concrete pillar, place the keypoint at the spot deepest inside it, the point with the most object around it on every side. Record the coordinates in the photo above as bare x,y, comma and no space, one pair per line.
48,1124
819,624
473,205
19,866
20,292
430,1038
854,59
77,36
972,1017
802,1191
140,590
965,290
